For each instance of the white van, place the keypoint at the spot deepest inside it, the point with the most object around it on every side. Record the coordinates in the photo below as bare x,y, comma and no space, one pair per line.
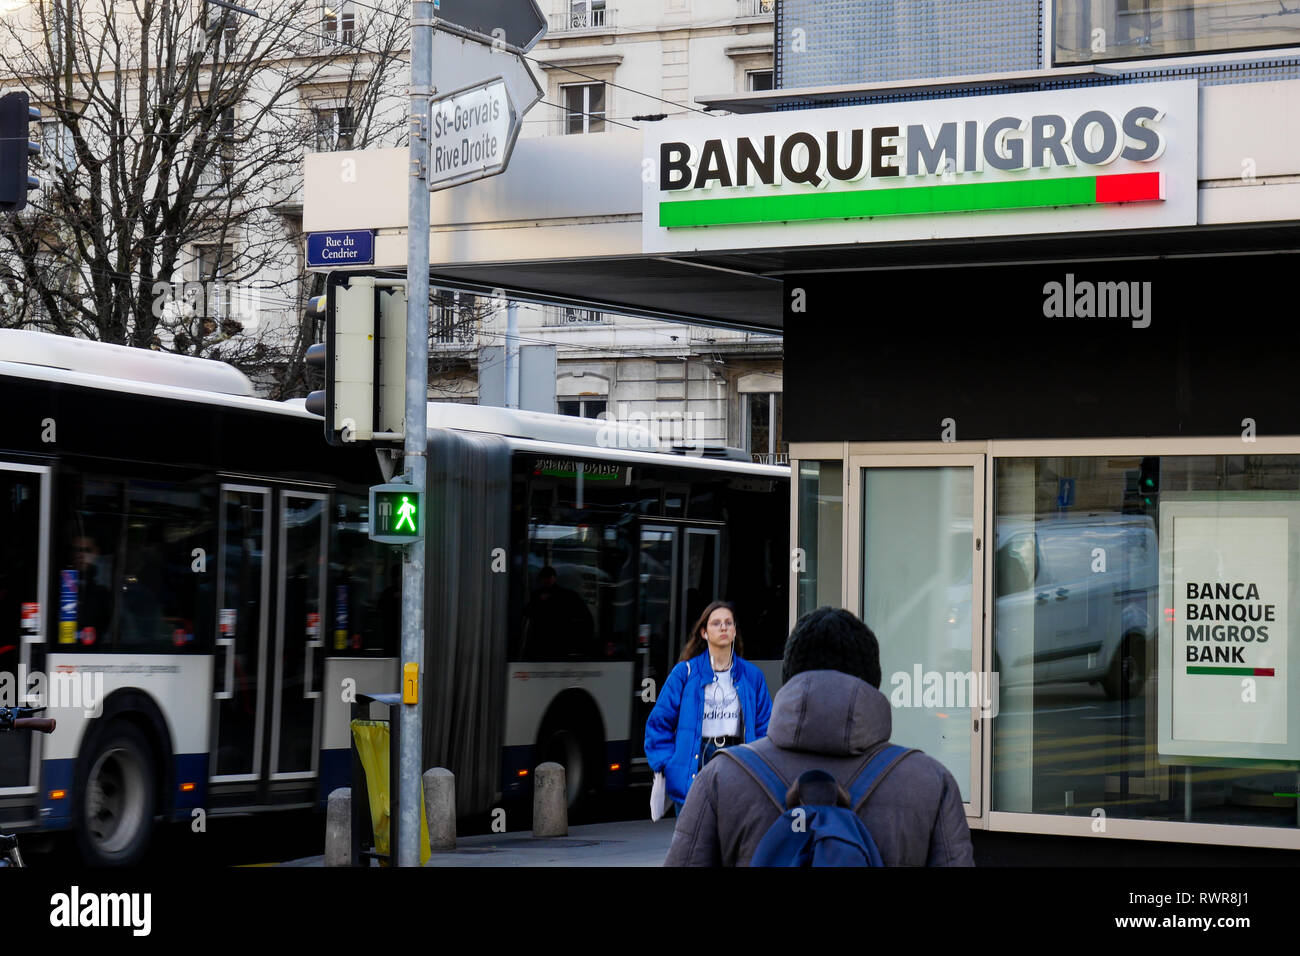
1075,600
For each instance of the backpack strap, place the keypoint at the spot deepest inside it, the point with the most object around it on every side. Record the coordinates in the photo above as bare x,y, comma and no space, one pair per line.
873,771
764,773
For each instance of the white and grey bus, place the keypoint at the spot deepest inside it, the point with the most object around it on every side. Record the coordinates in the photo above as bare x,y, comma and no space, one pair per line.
187,582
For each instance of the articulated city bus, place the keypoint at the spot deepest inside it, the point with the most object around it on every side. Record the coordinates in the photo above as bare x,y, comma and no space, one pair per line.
187,581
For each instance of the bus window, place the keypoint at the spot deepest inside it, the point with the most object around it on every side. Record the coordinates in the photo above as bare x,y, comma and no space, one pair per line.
88,551
165,596
581,593
365,584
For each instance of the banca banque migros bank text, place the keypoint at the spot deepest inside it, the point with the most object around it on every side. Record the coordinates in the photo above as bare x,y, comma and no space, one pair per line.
1093,138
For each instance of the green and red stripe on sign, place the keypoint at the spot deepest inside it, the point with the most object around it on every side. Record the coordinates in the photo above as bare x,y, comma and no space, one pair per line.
1234,671
915,200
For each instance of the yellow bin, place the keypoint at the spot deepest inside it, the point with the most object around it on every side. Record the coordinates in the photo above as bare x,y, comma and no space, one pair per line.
371,738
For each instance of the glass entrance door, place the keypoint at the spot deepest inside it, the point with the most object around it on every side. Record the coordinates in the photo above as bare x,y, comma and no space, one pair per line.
24,559
299,635
244,587
658,641
919,526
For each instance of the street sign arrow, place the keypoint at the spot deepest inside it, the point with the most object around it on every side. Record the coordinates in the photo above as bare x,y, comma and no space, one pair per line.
458,61
471,134
517,23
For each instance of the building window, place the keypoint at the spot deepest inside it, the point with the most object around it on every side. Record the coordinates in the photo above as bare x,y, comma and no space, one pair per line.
220,20
334,128
756,80
821,531
455,318
1140,592
756,8
215,266
220,168
764,438
338,24
1088,32
584,105
586,13
584,407
57,148
570,316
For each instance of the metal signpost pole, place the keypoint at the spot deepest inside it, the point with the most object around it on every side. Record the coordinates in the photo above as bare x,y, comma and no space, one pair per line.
407,841
512,355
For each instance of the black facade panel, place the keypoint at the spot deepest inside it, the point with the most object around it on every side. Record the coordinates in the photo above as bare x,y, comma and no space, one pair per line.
889,355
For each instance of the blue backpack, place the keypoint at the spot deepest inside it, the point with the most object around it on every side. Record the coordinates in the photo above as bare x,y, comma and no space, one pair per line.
819,823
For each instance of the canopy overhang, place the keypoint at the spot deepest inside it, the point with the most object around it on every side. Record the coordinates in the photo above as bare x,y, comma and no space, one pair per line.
564,224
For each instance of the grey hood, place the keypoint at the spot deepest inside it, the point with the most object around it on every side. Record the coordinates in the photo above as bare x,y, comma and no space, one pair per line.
829,712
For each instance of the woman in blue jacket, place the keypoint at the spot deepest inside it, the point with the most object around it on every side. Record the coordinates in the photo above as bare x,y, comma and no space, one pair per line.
712,699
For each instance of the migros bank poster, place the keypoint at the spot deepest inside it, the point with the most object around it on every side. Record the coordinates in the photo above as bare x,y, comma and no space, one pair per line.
1227,579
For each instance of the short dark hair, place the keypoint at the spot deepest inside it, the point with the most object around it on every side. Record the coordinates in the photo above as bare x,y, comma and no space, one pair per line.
832,639
547,572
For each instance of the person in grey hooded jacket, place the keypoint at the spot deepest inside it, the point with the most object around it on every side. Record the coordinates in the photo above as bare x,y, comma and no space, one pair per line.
829,715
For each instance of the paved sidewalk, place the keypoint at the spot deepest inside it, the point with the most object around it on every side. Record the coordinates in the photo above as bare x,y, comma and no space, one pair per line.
635,843
630,843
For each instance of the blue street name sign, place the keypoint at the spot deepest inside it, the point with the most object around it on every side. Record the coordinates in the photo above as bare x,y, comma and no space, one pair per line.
355,248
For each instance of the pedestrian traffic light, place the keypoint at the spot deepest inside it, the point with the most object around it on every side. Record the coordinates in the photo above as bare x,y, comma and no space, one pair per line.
16,151
396,513
363,358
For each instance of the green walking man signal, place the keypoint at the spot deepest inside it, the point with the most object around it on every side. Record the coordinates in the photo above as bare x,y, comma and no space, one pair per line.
396,513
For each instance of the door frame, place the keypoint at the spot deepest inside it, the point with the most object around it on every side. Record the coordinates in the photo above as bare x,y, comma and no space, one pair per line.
312,645
716,535
26,641
979,464
264,636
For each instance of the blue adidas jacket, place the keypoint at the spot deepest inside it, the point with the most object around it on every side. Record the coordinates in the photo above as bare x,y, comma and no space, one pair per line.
672,732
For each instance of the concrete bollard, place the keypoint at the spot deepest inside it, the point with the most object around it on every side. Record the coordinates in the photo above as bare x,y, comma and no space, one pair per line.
338,828
550,801
440,808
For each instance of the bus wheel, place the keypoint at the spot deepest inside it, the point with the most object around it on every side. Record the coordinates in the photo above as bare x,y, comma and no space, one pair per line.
115,805
564,747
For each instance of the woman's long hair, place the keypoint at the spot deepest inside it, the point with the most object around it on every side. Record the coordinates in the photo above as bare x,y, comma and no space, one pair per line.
695,642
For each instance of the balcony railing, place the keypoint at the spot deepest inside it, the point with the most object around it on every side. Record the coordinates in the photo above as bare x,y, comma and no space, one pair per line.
564,317
755,8
336,38
582,18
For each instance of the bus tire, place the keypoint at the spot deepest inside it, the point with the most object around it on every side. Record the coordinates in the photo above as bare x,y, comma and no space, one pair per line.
562,742
116,795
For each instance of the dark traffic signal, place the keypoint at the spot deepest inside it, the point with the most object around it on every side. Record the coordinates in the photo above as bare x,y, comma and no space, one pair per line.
16,151
363,358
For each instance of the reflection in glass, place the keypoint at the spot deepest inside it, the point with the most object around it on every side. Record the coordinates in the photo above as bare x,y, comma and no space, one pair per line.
1077,621
1098,30
917,559
821,520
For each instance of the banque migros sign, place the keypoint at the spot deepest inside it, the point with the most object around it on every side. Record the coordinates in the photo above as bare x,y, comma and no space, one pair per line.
1115,157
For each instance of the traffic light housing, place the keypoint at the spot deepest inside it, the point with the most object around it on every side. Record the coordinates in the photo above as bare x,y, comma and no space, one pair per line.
396,513
363,358
1149,481
16,151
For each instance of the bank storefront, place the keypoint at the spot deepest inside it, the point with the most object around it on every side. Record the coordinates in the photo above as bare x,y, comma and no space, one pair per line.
1038,386
1040,367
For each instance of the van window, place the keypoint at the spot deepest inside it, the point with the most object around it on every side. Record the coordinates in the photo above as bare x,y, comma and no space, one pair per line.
1017,567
